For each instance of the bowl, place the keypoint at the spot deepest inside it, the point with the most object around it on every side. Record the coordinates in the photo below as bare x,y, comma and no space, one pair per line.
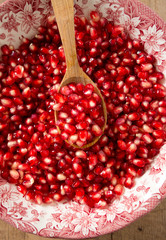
70,220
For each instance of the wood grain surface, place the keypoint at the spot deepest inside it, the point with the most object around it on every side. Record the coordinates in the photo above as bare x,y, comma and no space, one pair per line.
151,226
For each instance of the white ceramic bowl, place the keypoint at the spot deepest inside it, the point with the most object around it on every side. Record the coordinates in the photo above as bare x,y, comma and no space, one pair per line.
70,220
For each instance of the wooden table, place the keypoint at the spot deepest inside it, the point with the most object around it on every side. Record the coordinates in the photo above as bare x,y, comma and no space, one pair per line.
152,226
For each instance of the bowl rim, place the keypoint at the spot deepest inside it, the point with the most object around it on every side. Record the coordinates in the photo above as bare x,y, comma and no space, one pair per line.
155,202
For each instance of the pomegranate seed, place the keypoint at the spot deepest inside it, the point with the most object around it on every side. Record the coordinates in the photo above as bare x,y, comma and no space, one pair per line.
128,182
81,154
14,174
28,181
95,16
96,130
138,162
146,66
77,169
61,177
7,102
131,170
147,138
121,144
118,189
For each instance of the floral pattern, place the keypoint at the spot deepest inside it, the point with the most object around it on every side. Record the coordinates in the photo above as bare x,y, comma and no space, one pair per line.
7,195
70,220
28,18
9,22
46,6
85,223
18,209
131,25
153,39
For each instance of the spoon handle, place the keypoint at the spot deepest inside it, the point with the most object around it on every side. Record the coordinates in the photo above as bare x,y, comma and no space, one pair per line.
64,12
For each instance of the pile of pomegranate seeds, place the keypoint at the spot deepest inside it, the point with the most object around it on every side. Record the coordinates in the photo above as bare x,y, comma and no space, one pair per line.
80,117
34,156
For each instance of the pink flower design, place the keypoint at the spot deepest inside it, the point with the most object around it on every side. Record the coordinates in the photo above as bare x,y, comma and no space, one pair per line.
6,195
46,5
160,56
114,12
160,160
9,22
154,171
38,214
84,1
114,209
131,25
131,203
66,219
29,18
153,39
2,36
18,209
85,222
143,188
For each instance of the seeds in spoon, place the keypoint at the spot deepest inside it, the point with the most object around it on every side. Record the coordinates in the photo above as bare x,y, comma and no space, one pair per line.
83,128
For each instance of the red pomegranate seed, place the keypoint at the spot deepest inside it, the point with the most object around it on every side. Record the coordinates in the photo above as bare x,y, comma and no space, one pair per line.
95,16
96,130
81,154
139,162
18,71
7,102
146,66
28,180
14,174
118,189
129,182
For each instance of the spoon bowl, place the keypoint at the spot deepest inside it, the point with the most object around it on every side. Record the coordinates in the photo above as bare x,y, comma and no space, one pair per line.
84,80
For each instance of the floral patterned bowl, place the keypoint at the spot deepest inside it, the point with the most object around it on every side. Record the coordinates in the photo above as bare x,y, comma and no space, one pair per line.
70,220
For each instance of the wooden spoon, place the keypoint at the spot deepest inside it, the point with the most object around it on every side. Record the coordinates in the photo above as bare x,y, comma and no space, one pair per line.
64,13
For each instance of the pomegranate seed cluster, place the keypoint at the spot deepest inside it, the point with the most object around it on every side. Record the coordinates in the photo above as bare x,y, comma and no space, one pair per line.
34,155
80,117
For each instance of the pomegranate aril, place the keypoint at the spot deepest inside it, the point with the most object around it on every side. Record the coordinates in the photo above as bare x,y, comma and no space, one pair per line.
129,182
28,181
96,130
139,162
14,174
158,134
73,138
95,16
69,129
118,189
147,138
122,145
7,102
81,154
162,111
131,170
78,170
6,49
22,189
83,135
